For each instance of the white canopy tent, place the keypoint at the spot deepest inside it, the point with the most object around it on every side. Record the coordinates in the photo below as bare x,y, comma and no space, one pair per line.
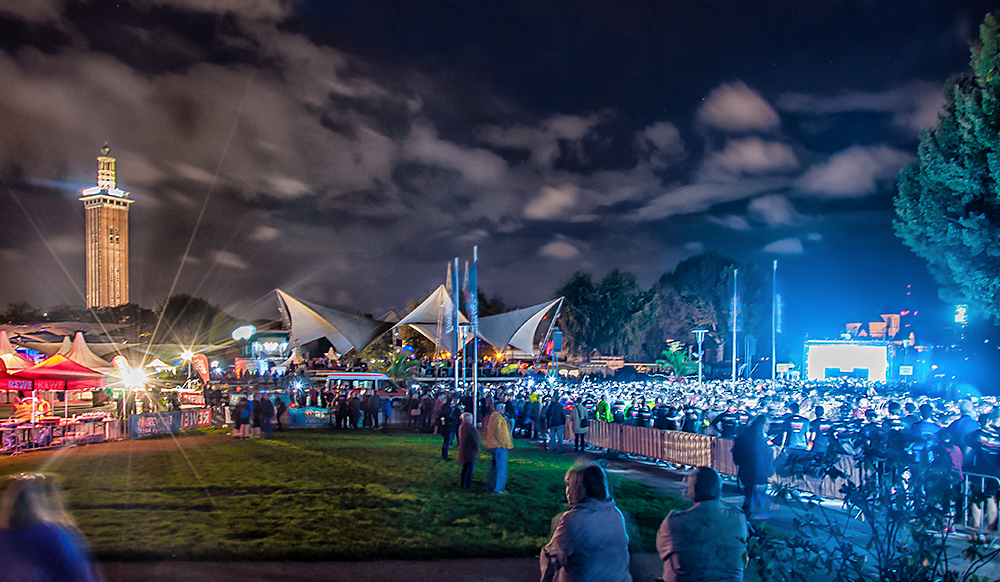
79,352
425,317
309,322
11,359
518,328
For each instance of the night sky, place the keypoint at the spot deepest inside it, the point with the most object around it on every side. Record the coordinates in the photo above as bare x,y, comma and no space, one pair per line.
346,151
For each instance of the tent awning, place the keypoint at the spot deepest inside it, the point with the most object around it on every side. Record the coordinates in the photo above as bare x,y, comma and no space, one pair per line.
518,328
308,322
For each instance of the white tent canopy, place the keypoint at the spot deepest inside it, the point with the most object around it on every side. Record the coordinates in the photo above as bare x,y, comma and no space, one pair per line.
517,328
424,317
80,353
309,322
11,359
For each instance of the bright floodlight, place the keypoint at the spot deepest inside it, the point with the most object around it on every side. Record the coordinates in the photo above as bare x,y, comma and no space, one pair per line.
187,355
133,378
244,332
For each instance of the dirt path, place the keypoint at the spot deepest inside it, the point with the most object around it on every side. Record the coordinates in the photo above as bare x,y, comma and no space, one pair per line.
645,568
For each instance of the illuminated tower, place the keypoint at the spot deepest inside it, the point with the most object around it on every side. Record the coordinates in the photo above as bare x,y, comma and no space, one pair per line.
106,209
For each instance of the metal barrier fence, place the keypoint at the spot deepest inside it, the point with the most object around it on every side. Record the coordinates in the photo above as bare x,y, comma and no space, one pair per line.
976,487
695,450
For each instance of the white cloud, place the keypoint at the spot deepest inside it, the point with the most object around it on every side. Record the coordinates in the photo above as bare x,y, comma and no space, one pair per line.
544,140
750,155
36,11
814,237
285,187
731,221
785,246
913,106
476,165
773,210
552,203
661,142
264,233
853,173
694,247
228,259
736,107
701,197
559,249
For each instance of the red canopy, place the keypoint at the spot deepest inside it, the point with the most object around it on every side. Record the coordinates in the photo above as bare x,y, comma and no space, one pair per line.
11,382
57,372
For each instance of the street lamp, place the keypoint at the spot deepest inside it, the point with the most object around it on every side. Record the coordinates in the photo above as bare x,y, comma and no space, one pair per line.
699,334
187,355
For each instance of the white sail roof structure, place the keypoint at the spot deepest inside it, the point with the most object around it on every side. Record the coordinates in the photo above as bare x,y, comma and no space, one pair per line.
424,317
308,322
517,328
80,353
11,359
65,347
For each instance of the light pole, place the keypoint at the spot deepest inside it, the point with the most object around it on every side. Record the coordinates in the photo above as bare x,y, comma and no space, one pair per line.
699,334
187,355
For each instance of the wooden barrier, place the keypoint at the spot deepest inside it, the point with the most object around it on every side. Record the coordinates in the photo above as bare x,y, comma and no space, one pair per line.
697,450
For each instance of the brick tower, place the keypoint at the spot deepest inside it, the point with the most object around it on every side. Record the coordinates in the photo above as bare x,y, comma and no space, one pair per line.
106,209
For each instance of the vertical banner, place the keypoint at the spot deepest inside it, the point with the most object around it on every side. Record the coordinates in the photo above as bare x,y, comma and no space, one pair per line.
472,305
200,362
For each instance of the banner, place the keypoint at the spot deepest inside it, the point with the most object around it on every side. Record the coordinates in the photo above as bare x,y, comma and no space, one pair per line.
146,425
157,423
200,362
196,418
309,417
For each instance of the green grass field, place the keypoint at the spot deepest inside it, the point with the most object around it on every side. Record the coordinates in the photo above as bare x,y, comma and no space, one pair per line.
312,495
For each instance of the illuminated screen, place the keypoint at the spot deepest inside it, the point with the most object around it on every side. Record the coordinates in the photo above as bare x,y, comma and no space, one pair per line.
834,360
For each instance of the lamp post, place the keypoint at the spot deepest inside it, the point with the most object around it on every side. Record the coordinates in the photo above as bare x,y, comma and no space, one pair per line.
187,355
699,334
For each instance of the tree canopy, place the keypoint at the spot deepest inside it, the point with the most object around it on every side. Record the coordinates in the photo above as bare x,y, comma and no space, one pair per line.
947,205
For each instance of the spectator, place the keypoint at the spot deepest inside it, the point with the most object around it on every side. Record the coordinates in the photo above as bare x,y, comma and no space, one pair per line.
578,418
280,408
498,441
555,418
707,542
589,541
447,424
267,416
755,461
468,449
38,539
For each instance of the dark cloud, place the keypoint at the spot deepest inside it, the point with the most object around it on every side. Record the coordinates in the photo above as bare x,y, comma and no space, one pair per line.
346,151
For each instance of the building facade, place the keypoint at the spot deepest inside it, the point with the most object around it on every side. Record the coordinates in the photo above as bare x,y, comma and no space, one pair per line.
106,209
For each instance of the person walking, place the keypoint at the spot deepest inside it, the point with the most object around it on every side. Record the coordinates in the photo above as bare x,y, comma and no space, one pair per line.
498,441
755,460
579,420
447,425
468,449
555,418
706,542
266,416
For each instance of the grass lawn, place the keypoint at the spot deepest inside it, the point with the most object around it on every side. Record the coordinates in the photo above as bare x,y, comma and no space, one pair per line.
313,495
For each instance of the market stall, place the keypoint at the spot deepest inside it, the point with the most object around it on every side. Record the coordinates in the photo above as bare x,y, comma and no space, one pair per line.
59,374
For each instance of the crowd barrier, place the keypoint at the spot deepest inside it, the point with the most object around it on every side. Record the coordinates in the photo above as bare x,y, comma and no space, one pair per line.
698,450
33,436
157,423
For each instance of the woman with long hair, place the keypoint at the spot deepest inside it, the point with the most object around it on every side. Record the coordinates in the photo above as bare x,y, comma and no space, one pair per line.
38,539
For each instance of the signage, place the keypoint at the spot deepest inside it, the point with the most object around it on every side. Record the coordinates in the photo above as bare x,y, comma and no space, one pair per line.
195,418
200,362
781,368
309,417
906,370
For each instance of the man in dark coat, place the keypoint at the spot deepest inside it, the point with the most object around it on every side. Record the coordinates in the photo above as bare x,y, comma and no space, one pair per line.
755,460
447,425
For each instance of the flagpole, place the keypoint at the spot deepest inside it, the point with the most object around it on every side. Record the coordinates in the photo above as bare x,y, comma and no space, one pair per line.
475,333
455,291
736,273
774,323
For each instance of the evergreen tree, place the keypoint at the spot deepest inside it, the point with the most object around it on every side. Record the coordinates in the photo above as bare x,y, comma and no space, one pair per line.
947,206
